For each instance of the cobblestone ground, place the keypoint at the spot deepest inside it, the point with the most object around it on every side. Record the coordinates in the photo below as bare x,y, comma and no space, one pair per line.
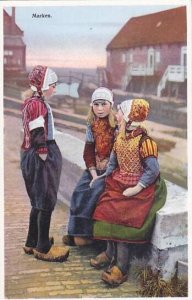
26,277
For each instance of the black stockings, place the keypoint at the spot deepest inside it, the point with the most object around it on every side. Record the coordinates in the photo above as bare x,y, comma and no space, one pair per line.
120,252
38,233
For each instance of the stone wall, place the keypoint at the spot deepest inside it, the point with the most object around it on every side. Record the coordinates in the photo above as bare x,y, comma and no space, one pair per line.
171,112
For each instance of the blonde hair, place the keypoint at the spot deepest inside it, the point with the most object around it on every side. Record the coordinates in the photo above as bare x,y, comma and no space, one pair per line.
27,94
111,117
122,127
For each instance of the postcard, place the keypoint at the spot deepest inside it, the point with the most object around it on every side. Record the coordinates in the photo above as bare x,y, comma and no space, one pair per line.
96,142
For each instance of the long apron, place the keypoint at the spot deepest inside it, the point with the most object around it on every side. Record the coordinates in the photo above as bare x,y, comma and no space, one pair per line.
42,177
105,230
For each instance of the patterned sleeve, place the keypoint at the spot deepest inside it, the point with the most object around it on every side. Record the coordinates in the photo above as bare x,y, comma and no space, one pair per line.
150,172
36,109
34,124
149,154
89,155
148,148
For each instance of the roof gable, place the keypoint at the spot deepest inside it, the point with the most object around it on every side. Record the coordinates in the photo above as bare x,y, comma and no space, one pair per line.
7,25
163,27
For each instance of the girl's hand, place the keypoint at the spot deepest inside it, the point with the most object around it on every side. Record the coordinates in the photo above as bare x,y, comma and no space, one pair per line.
93,180
96,178
93,173
132,190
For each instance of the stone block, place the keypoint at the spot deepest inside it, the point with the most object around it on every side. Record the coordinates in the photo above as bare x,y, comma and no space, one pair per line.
182,270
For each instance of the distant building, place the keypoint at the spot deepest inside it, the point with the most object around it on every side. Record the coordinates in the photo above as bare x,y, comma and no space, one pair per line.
14,46
149,54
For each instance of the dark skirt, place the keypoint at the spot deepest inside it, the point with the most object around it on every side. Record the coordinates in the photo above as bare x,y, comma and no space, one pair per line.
83,203
110,231
42,177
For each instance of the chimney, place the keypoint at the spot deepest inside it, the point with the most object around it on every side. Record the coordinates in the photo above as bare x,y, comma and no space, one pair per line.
13,21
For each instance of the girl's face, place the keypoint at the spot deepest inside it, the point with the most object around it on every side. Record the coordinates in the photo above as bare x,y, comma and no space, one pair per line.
119,116
50,91
101,108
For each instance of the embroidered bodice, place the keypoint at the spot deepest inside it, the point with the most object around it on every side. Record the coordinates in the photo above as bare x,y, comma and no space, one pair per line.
99,143
103,136
128,156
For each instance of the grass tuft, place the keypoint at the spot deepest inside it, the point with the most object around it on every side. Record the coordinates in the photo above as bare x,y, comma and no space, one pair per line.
152,285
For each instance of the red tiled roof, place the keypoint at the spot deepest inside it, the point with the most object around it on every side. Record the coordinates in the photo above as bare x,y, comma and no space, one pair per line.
163,27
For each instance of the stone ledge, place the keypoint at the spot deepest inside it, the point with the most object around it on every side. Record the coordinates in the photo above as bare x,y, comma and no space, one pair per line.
169,239
171,220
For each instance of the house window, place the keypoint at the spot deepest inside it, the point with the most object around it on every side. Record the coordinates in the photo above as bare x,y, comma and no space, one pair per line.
157,57
185,59
5,60
108,59
123,58
151,61
151,58
8,52
131,57
184,56
19,62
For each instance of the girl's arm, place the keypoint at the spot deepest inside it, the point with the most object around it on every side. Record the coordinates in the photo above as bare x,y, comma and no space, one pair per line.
89,152
38,135
150,174
151,171
112,164
34,126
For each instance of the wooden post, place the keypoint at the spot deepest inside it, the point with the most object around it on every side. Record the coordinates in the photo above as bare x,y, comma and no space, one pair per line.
177,91
169,89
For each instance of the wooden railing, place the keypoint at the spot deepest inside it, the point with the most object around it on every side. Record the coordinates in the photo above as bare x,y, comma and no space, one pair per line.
141,70
174,73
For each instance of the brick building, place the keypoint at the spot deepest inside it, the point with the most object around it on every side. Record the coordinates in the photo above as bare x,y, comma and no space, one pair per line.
149,54
14,46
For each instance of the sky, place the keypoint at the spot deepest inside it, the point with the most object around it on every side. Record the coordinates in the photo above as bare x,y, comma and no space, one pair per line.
75,36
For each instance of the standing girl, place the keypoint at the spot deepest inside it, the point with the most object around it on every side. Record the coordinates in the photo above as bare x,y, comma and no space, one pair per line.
41,163
98,146
125,212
